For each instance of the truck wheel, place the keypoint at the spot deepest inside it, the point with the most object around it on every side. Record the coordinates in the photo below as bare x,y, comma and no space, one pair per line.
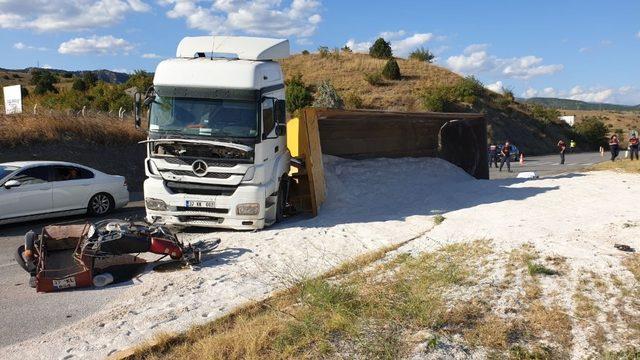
281,200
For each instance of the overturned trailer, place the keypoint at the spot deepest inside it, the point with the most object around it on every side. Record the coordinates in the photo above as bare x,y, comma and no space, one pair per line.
459,138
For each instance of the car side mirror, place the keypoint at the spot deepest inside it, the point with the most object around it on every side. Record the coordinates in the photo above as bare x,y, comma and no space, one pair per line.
11,184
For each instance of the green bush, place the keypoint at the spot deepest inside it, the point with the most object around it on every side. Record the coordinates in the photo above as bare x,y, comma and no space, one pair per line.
305,52
79,85
346,49
327,97
593,130
508,94
545,115
44,81
438,98
374,78
353,101
422,54
90,78
298,95
67,75
381,49
391,70
468,90
141,80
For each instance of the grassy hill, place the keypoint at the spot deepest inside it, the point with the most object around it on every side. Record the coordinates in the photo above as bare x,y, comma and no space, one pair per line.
23,76
568,104
508,119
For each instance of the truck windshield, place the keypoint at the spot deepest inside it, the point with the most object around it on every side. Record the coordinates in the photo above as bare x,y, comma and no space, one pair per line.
207,117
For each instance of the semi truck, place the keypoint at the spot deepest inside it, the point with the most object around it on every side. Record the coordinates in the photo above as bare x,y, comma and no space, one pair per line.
216,149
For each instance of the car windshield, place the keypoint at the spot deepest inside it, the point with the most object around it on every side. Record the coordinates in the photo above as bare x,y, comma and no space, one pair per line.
6,170
206,117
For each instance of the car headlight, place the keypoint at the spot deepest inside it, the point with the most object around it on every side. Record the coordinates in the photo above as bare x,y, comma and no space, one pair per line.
248,209
250,173
155,204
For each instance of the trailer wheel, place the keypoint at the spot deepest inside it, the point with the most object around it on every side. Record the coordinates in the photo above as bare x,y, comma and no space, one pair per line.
19,259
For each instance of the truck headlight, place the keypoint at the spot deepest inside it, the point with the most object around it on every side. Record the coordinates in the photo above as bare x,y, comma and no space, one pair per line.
250,173
155,204
153,169
248,209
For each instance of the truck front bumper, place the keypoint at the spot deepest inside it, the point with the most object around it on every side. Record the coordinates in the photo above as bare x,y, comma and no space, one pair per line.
222,215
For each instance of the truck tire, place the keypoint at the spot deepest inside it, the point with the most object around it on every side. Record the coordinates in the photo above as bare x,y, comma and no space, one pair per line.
281,200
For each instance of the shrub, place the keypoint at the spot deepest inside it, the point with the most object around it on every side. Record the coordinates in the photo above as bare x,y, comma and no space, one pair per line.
422,54
67,75
391,70
508,94
141,80
24,92
468,90
438,99
346,49
374,78
381,49
593,130
305,52
353,101
16,76
44,81
6,77
323,51
89,78
79,85
327,97
298,95
547,116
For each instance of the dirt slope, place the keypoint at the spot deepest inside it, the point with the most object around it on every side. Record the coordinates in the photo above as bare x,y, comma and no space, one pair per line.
347,73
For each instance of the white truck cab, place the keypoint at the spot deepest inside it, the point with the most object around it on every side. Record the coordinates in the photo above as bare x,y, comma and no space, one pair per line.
216,152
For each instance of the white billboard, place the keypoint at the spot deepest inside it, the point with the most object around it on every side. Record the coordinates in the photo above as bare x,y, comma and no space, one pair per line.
12,99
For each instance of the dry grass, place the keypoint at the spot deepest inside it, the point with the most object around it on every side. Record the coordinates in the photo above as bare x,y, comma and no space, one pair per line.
25,129
632,263
347,73
625,120
624,165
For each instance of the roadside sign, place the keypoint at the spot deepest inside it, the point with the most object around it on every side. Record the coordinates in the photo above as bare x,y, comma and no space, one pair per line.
12,99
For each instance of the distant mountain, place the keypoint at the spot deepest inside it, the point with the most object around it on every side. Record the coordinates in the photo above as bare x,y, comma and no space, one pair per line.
104,75
568,104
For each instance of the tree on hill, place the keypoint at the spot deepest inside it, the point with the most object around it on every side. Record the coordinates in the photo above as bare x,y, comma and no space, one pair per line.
90,79
79,85
44,81
141,80
593,130
391,70
422,54
381,49
327,97
298,95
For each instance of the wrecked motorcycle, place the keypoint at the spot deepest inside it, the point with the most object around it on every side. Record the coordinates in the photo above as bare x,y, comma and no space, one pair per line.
67,256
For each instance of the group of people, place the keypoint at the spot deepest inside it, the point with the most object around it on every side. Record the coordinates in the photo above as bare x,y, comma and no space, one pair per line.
614,146
503,153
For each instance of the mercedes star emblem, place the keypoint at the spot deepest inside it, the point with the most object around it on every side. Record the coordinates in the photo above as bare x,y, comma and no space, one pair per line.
199,167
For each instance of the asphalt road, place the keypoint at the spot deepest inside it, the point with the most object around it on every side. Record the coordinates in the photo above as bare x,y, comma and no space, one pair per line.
549,165
25,313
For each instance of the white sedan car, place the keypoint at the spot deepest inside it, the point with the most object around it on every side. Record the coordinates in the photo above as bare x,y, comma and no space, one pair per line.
31,190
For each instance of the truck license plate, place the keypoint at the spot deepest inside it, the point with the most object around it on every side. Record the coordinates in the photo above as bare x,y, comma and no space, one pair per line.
201,204
65,283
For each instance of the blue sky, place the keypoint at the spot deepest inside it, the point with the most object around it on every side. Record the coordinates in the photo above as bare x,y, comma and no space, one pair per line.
586,50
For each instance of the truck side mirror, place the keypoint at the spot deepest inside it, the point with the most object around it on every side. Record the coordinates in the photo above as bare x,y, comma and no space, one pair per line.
280,111
281,129
137,105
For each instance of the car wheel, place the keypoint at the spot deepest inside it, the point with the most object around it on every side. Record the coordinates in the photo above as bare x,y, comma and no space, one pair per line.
100,204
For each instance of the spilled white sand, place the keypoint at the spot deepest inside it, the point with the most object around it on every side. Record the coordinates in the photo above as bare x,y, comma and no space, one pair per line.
370,204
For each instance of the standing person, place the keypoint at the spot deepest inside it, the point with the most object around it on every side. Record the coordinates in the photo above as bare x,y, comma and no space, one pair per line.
506,156
493,155
614,146
572,146
634,143
562,147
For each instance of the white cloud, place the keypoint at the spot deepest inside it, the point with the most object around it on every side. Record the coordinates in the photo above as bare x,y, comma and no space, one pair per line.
629,95
122,70
97,45
498,87
401,44
475,59
51,15
23,46
584,49
299,18
638,35
46,66
151,56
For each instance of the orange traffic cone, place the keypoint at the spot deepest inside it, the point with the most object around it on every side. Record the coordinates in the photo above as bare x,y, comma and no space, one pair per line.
521,159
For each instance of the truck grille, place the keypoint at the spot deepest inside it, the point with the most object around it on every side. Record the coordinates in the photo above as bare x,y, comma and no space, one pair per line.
181,161
201,209
211,175
199,189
